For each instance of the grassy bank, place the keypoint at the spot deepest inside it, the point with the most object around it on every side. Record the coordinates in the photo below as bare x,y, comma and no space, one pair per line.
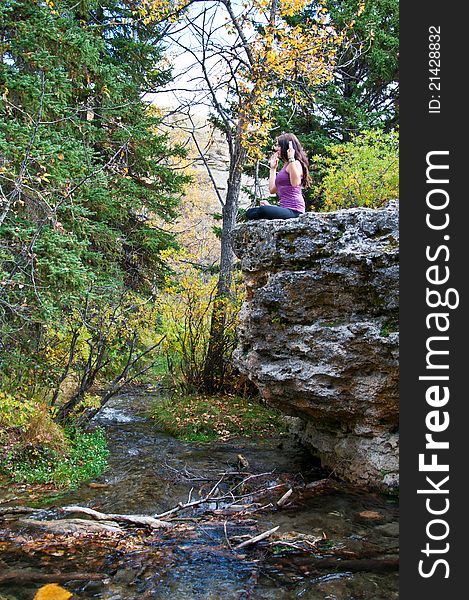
84,458
35,450
204,419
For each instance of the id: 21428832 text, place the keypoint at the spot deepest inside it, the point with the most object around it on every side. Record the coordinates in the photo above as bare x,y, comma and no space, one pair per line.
434,67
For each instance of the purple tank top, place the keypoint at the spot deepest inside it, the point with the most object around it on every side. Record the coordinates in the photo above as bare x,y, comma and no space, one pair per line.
290,195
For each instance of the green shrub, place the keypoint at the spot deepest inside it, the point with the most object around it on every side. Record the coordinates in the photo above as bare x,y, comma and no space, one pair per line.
362,172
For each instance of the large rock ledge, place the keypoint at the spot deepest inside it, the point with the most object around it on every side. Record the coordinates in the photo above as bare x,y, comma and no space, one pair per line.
318,333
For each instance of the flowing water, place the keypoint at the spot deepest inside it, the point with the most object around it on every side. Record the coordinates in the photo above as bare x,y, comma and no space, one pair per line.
150,472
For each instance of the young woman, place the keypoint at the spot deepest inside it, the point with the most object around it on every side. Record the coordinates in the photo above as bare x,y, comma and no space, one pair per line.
287,183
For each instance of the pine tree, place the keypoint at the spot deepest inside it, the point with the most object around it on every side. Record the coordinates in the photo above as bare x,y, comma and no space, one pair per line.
86,177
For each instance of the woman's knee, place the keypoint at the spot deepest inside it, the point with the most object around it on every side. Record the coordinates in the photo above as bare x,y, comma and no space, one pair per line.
252,213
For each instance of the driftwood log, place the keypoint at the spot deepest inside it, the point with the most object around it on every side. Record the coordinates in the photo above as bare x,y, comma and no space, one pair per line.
25,575
141,520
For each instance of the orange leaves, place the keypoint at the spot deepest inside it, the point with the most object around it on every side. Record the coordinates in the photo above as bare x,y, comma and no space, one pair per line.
52,591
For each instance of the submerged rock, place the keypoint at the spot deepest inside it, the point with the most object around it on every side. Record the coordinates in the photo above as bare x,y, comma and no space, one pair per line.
318,333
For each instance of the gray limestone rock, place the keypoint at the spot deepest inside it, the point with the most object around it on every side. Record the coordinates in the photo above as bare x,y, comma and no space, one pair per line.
318,332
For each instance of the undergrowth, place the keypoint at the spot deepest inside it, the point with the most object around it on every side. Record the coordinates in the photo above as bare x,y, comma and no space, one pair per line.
84,458
36,450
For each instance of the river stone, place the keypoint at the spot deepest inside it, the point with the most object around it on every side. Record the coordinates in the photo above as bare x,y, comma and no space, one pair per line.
318,333
389,529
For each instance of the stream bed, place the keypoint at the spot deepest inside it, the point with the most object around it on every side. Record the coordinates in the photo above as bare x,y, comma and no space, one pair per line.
150,472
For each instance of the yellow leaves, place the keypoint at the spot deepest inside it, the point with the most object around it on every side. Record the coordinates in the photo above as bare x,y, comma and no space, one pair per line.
283,54
362,172
157,10
15,411
52,591
167,253
40,177
288,8
51,5
90,401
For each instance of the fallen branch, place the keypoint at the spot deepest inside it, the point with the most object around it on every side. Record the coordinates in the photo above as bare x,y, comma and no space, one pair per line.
355,565
37,577
71,526
191,504
257,538
134,519
16,510
321,485
281,501
210,497
230,545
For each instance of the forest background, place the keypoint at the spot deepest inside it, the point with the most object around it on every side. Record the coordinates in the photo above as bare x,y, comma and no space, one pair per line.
115,262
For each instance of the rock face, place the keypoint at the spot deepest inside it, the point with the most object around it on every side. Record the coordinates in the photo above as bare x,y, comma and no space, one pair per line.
318,333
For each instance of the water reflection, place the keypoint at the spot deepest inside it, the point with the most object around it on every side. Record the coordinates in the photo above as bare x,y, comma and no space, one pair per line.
150,472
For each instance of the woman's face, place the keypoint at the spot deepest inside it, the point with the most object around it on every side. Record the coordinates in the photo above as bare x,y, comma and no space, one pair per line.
277,149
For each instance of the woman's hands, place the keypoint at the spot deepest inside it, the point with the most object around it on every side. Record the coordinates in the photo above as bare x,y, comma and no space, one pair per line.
290,151
274,160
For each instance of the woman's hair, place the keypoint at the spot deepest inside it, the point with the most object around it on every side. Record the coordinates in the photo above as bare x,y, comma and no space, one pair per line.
283,141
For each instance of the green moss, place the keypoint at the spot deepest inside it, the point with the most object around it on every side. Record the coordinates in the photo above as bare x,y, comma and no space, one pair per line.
278,320
390,326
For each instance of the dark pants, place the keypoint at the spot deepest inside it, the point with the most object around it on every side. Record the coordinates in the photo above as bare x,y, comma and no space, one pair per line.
271,211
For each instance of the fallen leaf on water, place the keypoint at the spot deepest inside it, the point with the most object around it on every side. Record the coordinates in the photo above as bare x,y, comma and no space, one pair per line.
52,591
370,514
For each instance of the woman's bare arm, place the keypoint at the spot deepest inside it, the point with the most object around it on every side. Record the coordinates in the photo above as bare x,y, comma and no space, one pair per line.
295,171
273,173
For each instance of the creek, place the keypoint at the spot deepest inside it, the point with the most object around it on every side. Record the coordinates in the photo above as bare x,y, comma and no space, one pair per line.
150,472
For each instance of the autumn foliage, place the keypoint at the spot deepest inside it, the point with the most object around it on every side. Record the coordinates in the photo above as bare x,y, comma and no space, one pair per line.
275,54
52,591
362,172
112,267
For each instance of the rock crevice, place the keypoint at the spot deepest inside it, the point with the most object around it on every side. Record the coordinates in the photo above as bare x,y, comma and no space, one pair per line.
318,333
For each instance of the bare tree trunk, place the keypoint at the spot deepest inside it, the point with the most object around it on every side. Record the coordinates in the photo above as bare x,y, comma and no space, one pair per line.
215,360
229,212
